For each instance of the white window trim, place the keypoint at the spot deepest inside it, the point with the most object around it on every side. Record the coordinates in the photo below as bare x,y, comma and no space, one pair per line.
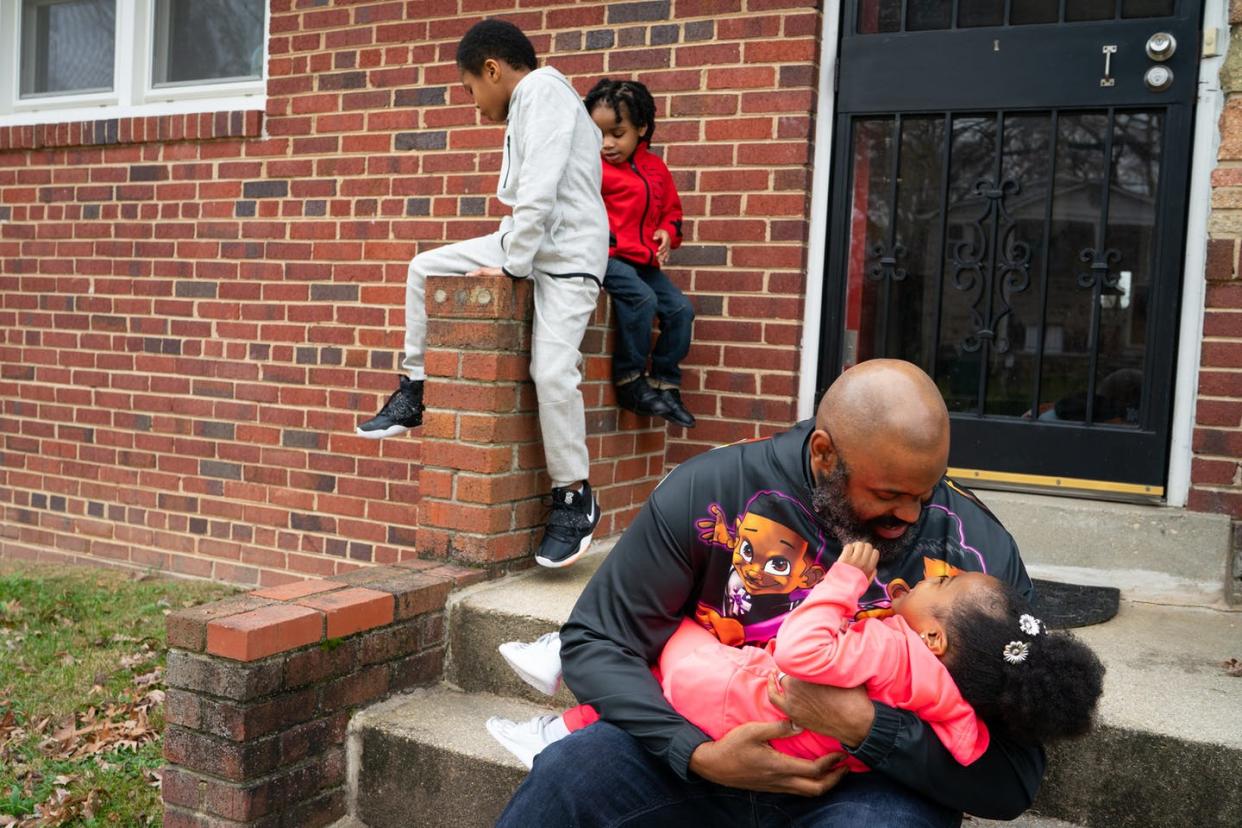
132,94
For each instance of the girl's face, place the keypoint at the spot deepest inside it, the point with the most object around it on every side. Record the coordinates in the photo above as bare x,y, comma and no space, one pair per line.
931,598
621,135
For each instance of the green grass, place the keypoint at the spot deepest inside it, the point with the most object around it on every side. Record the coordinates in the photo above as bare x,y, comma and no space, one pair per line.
83,648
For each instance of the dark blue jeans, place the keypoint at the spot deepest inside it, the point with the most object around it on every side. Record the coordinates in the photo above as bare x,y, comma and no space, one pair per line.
640,295
601,777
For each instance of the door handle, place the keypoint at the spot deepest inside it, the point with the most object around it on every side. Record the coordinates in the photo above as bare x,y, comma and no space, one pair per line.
1108,79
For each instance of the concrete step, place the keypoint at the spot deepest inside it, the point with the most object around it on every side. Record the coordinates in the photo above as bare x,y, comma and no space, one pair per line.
464,778
1168,750
425,759
519,608
1151,553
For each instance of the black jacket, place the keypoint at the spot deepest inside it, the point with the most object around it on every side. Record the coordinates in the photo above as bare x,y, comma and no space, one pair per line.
676,560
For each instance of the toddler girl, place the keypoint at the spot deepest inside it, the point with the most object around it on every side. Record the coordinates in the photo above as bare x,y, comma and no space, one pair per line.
644,223
958,648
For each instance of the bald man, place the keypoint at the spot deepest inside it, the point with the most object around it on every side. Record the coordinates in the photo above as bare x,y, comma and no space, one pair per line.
870,467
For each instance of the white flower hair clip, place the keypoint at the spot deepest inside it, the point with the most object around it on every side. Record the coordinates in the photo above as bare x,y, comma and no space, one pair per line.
1015,652
1029,624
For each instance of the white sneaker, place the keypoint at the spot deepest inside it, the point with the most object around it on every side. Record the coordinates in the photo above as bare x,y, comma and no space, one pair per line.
526,739
538,663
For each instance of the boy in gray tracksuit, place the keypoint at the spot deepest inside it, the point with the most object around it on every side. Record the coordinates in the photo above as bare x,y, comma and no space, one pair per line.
557,236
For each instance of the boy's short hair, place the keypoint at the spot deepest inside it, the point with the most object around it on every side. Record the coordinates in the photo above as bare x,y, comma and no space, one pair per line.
495,39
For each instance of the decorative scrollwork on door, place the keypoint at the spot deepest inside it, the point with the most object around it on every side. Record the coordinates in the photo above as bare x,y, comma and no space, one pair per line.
993,254
1101,273
886,263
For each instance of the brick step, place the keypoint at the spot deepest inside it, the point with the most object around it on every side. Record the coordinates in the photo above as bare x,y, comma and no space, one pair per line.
1168,750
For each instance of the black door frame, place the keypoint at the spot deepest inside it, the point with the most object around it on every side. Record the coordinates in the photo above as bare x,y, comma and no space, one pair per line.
890,87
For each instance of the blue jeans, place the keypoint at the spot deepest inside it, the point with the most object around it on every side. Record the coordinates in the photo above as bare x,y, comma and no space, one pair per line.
640,295
601,777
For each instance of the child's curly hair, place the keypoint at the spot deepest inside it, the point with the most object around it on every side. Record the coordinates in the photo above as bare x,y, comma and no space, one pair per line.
625,97
1022,679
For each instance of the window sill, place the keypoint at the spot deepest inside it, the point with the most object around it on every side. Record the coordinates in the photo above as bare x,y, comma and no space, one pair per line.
194,126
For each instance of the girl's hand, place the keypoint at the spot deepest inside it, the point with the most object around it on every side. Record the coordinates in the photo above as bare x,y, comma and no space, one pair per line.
862,555
664,244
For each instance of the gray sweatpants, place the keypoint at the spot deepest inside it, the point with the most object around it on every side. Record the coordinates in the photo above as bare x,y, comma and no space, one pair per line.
563,308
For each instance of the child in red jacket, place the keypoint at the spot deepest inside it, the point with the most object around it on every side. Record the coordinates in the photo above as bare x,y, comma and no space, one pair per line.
644,223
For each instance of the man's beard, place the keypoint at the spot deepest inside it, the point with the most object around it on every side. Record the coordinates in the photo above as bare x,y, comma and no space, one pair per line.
832,507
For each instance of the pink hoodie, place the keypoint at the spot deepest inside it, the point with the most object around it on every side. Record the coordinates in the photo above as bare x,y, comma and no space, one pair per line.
719,687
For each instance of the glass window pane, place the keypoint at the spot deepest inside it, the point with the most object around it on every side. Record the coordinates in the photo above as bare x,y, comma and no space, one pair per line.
1017,275
894,264
203,40
1090,9
1024,12
923,15
972,176
914,276
1146,8
67,46
980,13
1137,140
879,16
1076,211
870,215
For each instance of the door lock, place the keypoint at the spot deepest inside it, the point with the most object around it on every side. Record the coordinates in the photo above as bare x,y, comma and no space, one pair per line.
1161,46
1158,78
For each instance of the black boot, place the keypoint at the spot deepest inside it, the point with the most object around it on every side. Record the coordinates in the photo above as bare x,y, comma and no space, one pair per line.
641,398
677,412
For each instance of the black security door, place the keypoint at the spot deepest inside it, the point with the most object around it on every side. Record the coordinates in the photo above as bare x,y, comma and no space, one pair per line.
1008,212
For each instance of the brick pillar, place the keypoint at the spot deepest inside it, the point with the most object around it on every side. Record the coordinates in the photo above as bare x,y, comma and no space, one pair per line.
480,480
483,469
262,686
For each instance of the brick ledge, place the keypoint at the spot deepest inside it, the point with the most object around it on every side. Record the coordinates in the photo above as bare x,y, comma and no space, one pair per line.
138,129
265,622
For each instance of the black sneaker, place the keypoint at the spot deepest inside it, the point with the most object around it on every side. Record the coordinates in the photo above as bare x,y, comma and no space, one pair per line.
641,398
571,524
403,411
677,412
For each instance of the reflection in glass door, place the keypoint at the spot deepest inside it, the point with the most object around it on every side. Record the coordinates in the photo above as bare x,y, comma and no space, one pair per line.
998,274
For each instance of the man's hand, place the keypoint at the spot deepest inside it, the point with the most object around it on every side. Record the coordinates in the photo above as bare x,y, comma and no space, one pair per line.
862,555
487,271
744,759
844,713
663,245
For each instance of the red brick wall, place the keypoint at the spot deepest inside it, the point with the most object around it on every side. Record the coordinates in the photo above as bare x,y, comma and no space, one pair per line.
192,317
1216,473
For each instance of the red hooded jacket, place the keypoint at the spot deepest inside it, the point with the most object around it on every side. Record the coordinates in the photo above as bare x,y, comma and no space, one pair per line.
641,198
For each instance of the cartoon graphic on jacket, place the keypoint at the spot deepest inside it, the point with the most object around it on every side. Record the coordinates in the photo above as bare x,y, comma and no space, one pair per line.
775,559
641,198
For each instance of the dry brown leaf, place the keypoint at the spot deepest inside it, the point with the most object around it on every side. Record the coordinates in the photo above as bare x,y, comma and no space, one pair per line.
152,677
1233,667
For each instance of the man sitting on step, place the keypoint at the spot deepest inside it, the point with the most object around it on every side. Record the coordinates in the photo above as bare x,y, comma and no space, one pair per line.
869,467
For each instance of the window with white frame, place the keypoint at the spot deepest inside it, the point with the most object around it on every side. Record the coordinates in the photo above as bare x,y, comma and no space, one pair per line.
81,60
